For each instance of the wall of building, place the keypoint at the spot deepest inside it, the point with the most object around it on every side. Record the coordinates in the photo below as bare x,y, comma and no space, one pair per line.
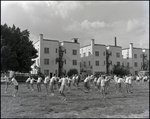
69,57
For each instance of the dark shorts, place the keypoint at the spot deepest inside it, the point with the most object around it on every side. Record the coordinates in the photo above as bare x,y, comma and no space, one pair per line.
16,87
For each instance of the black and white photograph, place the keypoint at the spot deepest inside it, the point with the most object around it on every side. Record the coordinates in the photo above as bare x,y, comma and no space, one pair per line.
74,59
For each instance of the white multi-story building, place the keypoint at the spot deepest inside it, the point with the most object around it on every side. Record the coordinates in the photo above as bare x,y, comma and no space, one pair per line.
133,58
93,58
48,53
114,56
71,56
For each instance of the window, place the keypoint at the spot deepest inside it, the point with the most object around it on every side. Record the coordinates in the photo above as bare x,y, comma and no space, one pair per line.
118,63
56,50
122,64
65,61
46,72
46,50
89,53
136,72
84,63
74,52
89,63
96,63
96,53
135,64
84,54
104,53
104,62
111,62
80,64
117,54
65,50
74,62
135,55
46,61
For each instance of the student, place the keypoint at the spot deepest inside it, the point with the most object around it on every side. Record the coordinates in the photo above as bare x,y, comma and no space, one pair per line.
130,84
69,84
116,82
59,82
77,80
94,81
86,84
31,83
6,82
39,84
103,82
62,87
51,85
15,83
98,83
28,82
120,79
46,80
73,80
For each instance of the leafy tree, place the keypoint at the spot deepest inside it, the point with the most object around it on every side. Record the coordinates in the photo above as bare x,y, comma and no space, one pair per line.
72,71
120,70
17,51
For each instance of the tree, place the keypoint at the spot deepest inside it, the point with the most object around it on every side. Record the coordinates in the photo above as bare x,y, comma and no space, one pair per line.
120,70
17,51
72,71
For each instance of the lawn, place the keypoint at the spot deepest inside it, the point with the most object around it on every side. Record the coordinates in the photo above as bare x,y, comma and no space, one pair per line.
32,104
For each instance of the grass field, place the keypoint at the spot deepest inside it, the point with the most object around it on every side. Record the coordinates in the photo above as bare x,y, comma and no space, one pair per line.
28,104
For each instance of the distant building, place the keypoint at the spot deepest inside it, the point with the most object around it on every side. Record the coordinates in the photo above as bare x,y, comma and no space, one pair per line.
71,56
93,58
48,55
114,54
133,58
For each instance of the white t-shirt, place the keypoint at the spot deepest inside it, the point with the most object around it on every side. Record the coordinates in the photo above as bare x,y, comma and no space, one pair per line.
116,79
127,79
95,79
64,81
103,82
87,79
39,80
46,79
31,81
120,80
137,78
130,80
6,79
28,80
99,79
52,79
14,81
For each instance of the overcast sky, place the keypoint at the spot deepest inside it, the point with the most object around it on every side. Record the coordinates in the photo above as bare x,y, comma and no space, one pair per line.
85,20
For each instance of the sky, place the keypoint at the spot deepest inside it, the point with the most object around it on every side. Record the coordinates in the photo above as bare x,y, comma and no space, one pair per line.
128,21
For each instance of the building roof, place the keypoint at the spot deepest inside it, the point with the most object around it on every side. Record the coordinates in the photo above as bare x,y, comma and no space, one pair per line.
114,46
137,48
70,42
99,45
125,48
50,40
85,46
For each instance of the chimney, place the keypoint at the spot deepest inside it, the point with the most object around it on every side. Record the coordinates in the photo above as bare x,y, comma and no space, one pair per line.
41,37
115,42
75,40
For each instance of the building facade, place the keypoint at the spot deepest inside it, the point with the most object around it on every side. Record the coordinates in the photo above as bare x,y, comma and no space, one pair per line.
113,57
132,58
93,58
49,56
71,56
